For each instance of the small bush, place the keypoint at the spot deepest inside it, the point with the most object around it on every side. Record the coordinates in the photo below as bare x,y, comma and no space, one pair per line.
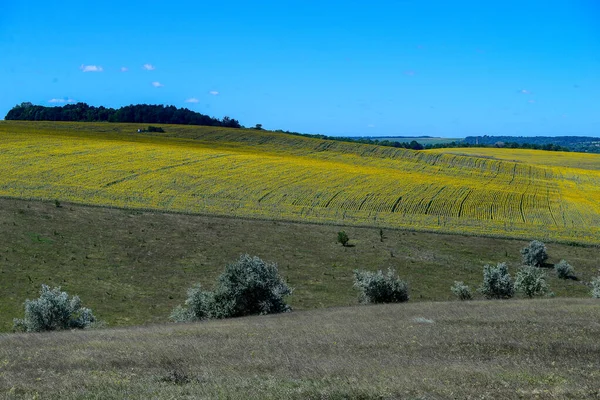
198,306
377,287
534,254
564,270
531,281
248,286
343,238
497,283
54,310
155,129
462,291
596,287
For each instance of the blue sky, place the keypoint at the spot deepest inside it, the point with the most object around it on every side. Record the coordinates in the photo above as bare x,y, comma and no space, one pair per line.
435,68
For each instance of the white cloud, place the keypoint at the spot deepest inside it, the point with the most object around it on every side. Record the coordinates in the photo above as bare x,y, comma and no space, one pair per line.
69,100
157,84
524,91
192,100
214,92
91,68
124,69
149,67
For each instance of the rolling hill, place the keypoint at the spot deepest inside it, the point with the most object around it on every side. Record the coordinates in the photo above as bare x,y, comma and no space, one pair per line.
267,175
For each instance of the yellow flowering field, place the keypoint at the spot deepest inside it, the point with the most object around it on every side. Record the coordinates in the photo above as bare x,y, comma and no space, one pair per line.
257,174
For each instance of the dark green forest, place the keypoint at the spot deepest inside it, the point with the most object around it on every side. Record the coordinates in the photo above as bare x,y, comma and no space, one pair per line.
140,113
574,143
160,114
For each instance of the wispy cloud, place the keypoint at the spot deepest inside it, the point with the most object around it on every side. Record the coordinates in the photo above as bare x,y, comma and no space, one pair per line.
409,73
214,92
124,69
371,126
524,91
157,84
531,101
91,68
149,67
60,101
192,100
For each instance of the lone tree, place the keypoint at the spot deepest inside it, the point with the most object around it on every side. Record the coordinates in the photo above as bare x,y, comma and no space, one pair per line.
343,238
534,254
52,311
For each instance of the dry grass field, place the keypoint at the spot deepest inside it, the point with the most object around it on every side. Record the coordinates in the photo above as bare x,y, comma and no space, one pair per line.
519,349
265,175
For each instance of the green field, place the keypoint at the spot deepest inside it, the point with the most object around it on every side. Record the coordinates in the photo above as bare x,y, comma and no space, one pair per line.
133,267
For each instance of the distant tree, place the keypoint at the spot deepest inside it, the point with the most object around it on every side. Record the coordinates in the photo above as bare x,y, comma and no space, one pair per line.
140,113
155,129
414,145
230,122
258,127
534,254
343,238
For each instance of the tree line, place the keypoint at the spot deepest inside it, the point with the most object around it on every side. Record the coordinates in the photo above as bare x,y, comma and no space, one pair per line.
140,113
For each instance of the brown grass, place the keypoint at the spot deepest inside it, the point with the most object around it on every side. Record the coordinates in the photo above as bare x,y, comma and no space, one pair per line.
542,349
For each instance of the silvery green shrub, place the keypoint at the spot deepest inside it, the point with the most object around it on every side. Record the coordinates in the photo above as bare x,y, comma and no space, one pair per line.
531,281
249,286
377,287
497,283
54,310
534,254
564,270
198,306
596,287
462,291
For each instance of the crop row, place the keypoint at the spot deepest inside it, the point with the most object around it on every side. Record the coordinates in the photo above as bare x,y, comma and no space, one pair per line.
420,190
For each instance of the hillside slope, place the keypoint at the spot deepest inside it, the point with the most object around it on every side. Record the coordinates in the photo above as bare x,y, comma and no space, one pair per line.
248,173
134,267
542,349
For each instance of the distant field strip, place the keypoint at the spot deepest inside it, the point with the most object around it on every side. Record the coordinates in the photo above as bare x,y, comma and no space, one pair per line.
276,176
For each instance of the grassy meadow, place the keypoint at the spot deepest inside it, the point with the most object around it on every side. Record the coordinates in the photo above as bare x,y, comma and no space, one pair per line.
517,349
132,267
266,175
